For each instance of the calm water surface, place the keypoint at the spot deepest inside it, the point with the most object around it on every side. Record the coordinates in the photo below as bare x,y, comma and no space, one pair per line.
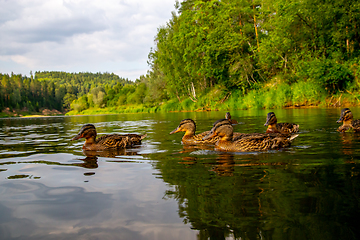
51,189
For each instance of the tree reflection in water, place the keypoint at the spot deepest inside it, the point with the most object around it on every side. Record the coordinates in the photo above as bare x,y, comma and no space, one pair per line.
249,197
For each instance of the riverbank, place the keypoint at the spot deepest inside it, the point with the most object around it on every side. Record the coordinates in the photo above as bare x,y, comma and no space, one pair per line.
227,101
275,94
7,112
342,100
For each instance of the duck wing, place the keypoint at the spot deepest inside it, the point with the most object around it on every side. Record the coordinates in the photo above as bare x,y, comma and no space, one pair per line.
263,142
120,141
356,125
135,139
345,128
287,127
199,137
237,136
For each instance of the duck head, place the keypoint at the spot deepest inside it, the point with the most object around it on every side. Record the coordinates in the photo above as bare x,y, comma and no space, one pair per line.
186,125
270,119
227,115
87,131
221,128
345,116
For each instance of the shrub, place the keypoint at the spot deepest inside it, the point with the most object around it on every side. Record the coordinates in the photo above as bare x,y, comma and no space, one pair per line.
307,93
331,75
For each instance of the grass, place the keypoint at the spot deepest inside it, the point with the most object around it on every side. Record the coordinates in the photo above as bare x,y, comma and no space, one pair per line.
278,95
275,94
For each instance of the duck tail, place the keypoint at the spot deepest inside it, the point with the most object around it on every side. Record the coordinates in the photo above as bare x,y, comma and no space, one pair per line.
296,127
293,137
143,136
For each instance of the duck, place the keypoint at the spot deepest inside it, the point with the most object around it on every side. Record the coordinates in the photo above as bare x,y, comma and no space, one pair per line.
274,127
228,117
349,124
250,142
189,127
110,141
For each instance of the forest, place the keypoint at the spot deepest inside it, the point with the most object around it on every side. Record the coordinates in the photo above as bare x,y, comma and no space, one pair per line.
53,90
270,53
228,54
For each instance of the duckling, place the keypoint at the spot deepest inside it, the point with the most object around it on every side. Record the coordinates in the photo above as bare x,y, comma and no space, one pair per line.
274,127
189,127
228,117
111,141
349,124
248,142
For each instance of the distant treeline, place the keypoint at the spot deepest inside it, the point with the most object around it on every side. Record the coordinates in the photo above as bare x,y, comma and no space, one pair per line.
53,90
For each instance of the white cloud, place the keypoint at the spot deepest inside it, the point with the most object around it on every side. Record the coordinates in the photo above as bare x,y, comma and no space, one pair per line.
80,35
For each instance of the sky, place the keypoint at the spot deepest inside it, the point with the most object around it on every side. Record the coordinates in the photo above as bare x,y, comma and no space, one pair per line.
113,36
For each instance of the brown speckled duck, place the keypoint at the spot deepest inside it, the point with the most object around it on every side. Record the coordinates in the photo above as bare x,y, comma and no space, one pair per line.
349,124
111,141
189,127
248,142
228,117
274,127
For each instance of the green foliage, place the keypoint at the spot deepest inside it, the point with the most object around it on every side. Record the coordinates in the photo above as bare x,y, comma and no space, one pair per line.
55,90
188,104
331,75
68,99
233,101
204,44
171,106
243,44
137,97
253,99
98,94
307,93
282,96
80,104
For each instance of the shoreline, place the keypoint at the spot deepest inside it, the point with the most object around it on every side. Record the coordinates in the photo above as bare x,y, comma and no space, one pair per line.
111,110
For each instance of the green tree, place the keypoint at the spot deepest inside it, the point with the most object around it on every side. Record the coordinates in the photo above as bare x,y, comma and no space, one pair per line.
68,99
98,94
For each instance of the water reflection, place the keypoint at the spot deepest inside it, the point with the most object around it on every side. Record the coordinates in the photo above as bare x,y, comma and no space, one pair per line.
224,165
166,190
91,159
46,205
112,153
216,201
194,148
89,162
349,142
264,196
255,202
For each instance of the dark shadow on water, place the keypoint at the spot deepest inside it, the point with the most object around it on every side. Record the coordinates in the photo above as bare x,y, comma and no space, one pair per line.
262,196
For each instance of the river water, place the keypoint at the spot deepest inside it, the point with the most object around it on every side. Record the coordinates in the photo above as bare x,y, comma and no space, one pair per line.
51,189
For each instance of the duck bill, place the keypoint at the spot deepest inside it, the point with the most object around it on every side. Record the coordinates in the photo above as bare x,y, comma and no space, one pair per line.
175,131
340,120
210,135
267,122
76,137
